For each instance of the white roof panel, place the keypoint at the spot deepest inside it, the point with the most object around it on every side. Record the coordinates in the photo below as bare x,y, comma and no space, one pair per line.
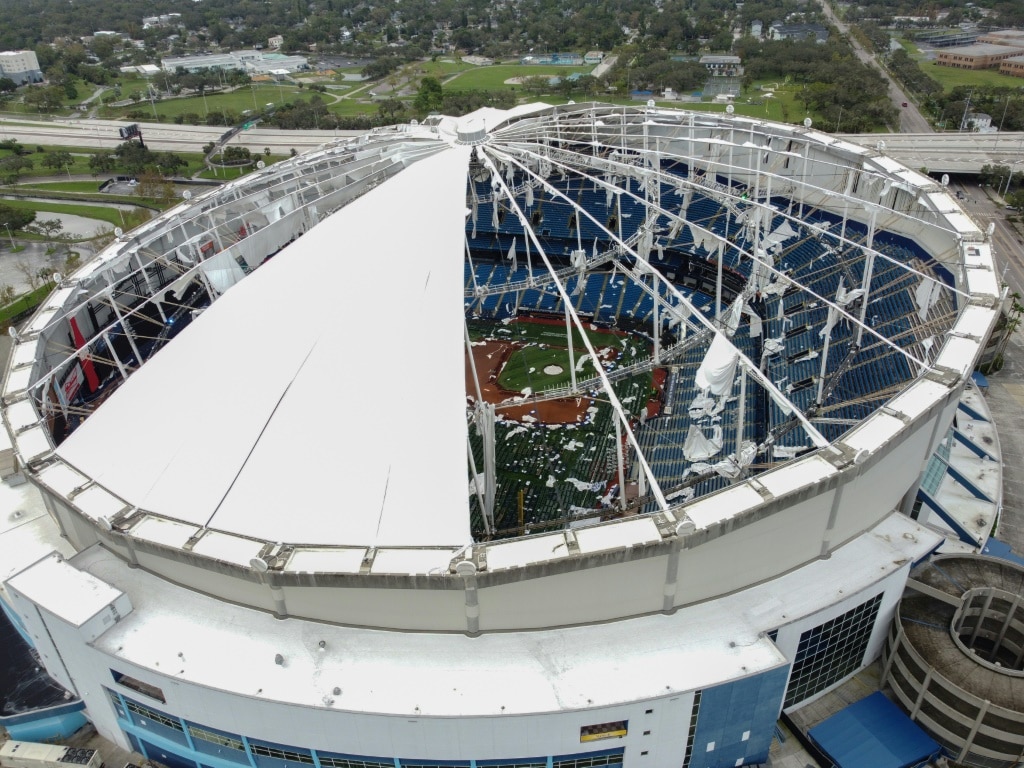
790,477
520,552
336,560
615,535
170,533
310,391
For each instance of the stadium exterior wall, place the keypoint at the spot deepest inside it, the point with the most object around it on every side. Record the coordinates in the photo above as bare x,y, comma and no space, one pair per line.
657,726
800,525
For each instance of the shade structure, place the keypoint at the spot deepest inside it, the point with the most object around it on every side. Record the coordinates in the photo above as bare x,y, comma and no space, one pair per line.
874,733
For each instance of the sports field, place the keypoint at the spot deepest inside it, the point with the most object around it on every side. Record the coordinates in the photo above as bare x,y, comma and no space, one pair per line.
557,457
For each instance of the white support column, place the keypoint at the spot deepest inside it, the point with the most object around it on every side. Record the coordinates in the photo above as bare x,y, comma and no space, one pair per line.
824,367
868,270
718,278
572,351
126,328
472,363
620,460
113,355
742,415
657,319
149,284
485,425
476,486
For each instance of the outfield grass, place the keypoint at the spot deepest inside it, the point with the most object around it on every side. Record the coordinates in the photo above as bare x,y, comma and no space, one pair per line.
493,78
547,346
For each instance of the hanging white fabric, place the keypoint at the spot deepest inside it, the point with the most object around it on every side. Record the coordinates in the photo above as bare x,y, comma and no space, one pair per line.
698,446
927,293
755,322
732,317
718,369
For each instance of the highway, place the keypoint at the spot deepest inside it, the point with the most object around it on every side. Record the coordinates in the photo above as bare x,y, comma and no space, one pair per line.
938,152
159,136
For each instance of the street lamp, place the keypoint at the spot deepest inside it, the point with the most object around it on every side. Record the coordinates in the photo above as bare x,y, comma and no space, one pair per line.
9,235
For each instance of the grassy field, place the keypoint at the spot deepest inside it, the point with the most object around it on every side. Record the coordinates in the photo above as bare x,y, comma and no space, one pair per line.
950,77
493,78
253,99
112,216
441,69
64,186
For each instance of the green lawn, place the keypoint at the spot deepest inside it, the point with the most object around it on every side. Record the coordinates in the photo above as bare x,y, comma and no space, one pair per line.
253,99
950,77
441,69
64,186
493,78
112,216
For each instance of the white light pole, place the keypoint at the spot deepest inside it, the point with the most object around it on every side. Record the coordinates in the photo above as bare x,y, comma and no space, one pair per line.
9,235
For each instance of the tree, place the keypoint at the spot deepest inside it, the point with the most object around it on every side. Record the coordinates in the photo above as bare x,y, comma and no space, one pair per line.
430,97
133,156
102,161
57,159
16,218
11,168
153,185
45,99
7,85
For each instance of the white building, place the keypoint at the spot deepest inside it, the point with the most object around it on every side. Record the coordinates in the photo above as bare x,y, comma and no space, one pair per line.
20,66
251,61
252,556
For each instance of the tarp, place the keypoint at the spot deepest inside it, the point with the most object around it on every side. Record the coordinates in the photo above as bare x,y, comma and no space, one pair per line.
874,733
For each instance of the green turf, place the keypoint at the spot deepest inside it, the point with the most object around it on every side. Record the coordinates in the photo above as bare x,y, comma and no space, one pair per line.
547,346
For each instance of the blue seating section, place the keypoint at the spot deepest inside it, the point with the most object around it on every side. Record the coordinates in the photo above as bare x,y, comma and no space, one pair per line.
858,379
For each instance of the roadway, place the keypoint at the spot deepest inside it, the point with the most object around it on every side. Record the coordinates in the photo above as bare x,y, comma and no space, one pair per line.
910,117
938,152
159,136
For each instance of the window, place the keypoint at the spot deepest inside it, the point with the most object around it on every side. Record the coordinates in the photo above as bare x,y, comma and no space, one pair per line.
589,761
221,740
151,714
138,686
615,730
694,713
281,753
354,762
831,651
115,699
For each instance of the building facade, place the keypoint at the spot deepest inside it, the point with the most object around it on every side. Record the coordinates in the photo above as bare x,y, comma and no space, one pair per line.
20,66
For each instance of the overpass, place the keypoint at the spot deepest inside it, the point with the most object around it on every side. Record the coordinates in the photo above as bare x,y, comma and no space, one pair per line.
937,152
947,152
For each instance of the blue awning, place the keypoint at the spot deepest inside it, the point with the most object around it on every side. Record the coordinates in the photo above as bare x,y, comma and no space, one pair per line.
874,733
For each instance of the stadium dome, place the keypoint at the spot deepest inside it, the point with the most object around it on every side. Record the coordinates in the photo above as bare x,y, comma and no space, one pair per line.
560,436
